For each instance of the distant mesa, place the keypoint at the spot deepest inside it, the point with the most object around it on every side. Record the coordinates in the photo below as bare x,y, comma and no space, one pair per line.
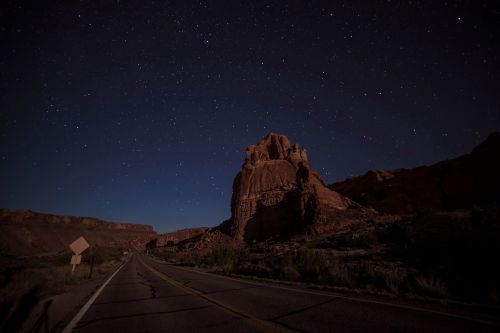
459,183
26,233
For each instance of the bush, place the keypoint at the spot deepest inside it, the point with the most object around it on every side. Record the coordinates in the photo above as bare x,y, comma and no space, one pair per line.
431,285
312,265
304,265
339,274
163,255
94,254
363,240
223,258
395,233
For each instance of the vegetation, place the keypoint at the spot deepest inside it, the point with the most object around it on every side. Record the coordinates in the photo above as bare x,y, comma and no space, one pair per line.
447,255
25,281
222,258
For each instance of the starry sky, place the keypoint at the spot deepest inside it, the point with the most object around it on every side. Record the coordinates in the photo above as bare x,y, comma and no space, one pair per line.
140,111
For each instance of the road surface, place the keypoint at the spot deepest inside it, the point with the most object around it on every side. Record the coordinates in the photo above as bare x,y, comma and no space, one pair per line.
146,295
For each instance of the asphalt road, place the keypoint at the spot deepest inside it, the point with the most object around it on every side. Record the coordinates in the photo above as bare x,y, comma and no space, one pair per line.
150,296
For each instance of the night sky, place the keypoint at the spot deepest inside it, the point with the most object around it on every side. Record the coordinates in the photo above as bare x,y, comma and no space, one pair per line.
140,111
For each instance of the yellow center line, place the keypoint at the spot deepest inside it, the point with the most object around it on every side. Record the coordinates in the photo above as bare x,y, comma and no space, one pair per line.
273,327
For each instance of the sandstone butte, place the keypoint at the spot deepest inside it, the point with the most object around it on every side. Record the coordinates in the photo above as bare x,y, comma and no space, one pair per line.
277,195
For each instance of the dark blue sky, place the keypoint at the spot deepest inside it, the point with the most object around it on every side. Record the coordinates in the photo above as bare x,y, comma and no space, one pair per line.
140,111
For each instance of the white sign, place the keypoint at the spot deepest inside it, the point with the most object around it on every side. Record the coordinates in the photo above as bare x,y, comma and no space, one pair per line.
76,259
79,245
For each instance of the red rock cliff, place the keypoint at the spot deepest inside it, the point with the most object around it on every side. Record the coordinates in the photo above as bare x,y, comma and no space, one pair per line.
472,179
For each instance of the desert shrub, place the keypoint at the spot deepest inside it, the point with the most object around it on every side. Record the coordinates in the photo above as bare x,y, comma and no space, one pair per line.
47,280
24,286
339,273
261,269
259,249
163,255
304,265
244,255
307,265
152,244
223,258
363,240
395,233
368,275
60,259
183,258
311,265
430,285
339,242
453,255
189,260
284,267
325,244
21,283
97,255
289,273
395,279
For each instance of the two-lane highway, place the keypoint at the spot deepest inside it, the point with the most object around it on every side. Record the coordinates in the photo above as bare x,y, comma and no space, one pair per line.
150,296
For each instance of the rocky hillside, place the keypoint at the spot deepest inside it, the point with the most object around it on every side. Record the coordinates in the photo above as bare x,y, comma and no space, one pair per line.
462,182
31,233
175,237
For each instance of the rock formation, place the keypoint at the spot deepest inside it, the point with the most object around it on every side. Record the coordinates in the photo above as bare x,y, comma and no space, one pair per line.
277,194
175,237
472,179
31,233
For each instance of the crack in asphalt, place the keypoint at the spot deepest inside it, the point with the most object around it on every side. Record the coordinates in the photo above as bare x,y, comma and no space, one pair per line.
268,325
303,309
86,323
146,283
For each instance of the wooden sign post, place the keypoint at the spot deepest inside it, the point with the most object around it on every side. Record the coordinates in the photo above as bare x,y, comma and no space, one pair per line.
78,246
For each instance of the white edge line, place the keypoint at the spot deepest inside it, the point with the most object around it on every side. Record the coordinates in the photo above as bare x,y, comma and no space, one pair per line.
349,298
69,328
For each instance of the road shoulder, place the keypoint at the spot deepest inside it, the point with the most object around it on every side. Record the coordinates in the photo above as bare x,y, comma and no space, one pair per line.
55,312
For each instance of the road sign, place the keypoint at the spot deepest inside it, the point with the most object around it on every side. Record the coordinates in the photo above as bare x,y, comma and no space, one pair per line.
76,259
79,245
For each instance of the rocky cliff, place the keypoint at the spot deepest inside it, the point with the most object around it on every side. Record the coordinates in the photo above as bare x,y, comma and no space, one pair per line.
468,180
175,237
31,233
277,194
